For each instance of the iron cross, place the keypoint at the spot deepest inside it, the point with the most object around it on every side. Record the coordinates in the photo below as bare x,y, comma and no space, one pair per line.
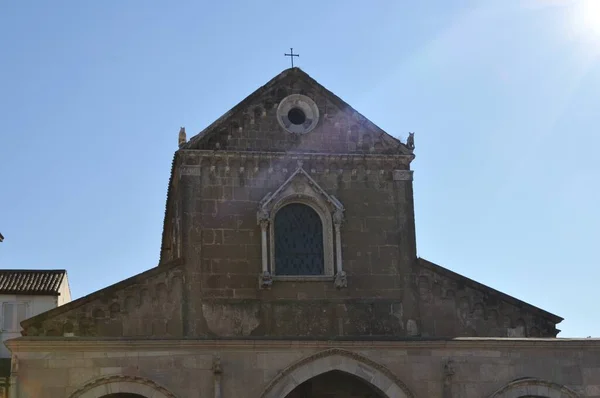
292,55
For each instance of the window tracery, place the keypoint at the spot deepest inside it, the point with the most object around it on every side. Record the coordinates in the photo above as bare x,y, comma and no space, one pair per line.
300,231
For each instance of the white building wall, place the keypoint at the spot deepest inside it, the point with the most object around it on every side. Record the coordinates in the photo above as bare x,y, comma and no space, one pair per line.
36,305
65,292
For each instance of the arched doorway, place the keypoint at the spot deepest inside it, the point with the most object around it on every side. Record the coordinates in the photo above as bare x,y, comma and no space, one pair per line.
335,384
128,387
529,387
123,395
336,366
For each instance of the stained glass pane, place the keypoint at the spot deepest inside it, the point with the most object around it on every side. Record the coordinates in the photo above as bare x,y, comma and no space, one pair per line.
298,241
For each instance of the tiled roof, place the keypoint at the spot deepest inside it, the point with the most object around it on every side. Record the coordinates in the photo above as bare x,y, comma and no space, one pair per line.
38,282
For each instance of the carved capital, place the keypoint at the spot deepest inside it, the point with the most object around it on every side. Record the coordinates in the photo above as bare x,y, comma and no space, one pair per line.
14,365
216,365
448,374
403,175
338,217
265,280
449,369
341,281
262,217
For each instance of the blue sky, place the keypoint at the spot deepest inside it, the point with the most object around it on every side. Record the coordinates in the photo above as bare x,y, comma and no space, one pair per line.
503,97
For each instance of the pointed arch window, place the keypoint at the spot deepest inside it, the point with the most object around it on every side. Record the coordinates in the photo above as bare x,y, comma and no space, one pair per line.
300,228
298,241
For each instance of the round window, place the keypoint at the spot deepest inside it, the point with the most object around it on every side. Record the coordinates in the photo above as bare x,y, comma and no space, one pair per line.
298,114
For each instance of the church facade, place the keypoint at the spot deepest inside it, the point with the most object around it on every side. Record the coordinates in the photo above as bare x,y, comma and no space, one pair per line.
288,268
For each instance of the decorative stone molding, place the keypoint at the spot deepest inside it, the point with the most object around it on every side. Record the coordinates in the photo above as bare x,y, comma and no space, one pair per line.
78,344
351,158
191,171
529,386
125,384
403,175
182,137
340,280
265,279
448,375
300,187
410,141
13,390
217,372
304,107
349,362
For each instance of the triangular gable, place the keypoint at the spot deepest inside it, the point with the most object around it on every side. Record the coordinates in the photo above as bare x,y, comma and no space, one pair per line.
339,121
315,191
488,291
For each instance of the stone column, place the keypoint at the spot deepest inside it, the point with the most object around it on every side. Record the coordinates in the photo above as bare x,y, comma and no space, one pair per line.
217,372
14,376
264,225
447,384
265,279
340,276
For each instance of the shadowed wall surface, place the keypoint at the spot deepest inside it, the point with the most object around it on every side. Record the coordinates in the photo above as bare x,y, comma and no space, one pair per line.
335,384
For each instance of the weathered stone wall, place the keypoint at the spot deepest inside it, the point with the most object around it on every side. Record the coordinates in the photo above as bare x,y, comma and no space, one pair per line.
252,125
419,369
334,385
452,305
211,229
223,247
148,304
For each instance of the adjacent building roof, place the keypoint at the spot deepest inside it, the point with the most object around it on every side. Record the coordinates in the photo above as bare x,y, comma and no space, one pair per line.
34,282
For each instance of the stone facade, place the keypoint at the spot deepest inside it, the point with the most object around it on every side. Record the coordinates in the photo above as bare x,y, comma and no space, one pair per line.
479,368
217,318
218,181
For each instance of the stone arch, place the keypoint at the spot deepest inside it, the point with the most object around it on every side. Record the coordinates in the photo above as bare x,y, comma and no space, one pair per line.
532,387
106,385
300,188
349,362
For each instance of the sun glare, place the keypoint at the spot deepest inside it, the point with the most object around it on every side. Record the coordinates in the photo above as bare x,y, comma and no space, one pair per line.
588,17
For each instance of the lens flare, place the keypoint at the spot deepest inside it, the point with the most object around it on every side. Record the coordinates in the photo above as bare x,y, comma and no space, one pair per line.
587,18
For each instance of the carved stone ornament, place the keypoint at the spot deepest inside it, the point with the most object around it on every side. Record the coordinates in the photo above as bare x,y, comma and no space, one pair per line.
90,389
449,368
216,365
410,141
262,216
182,137
265,280
448,374
191,171
338,217
300,187
14,365
298,114
341,281
403,175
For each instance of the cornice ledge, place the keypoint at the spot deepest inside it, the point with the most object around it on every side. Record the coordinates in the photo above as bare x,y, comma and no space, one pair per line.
304,155
34,344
